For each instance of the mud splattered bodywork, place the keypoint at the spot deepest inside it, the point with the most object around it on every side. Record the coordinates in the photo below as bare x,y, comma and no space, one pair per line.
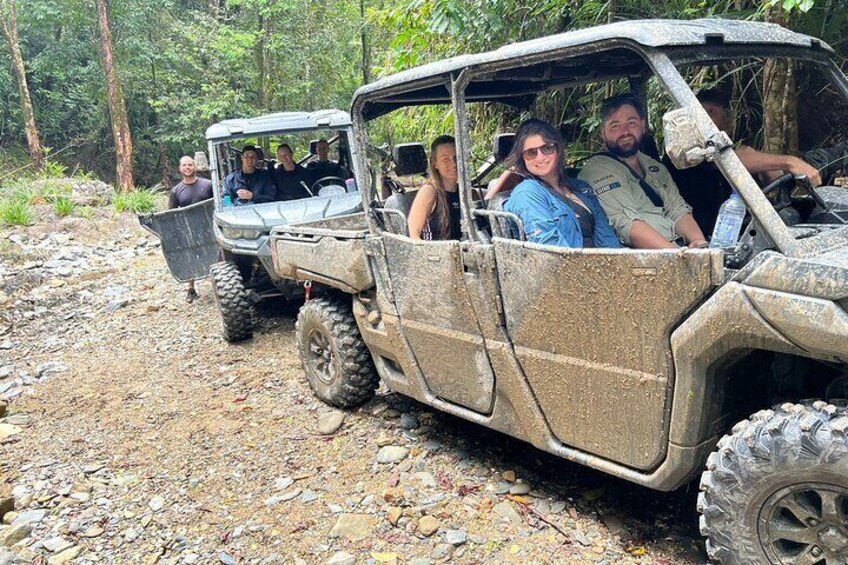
633,362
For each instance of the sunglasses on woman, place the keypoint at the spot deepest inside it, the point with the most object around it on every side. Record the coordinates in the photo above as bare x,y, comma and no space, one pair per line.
546,149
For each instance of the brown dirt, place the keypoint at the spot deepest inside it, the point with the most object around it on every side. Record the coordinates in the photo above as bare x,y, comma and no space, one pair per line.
154,395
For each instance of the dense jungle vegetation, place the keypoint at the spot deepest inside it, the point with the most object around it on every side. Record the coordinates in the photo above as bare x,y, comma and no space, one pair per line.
142,79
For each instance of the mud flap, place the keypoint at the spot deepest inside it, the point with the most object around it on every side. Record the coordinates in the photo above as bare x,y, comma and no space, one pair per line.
188,239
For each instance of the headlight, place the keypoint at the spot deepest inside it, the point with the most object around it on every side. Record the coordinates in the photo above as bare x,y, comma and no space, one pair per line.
238,233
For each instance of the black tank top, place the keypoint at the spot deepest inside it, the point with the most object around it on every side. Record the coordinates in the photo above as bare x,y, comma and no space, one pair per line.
454,215
586,221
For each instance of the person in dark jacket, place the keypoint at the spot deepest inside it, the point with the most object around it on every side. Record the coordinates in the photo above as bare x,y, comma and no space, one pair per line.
291,179
249,185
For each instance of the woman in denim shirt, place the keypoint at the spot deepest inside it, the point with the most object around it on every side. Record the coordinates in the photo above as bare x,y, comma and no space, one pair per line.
555,209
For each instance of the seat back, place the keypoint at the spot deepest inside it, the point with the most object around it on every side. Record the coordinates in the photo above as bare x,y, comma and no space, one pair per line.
398,202
504,224
502,146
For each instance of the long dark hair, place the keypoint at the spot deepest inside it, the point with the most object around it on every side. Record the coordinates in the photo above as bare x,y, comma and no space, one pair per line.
441,210
549,134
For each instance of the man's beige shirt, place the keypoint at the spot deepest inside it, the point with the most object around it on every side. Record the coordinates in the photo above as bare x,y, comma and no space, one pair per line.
624,200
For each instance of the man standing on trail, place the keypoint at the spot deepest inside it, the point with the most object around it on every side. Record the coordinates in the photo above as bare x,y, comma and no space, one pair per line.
191,190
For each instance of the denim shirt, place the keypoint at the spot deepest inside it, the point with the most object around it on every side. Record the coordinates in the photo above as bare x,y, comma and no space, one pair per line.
549,220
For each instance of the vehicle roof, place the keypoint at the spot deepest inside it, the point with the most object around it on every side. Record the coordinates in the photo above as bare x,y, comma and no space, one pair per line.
672,34
277,123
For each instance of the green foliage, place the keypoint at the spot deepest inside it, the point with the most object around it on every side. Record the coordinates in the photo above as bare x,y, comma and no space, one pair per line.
138,201
187,64
63,206
52,170
16,212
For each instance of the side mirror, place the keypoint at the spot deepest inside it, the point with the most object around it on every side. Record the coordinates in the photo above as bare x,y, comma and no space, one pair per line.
684,143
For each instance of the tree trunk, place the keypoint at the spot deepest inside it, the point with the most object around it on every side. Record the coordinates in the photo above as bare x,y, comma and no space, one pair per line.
366,48
9,27
780,105
117,107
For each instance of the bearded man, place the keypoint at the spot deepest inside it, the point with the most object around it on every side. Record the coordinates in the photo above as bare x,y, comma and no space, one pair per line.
637,192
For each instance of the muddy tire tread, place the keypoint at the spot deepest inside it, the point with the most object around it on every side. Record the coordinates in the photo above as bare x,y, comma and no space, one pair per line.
357,378
788,437
232,300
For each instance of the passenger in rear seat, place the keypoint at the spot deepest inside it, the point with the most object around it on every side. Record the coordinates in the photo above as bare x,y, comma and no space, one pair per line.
555,209
437,203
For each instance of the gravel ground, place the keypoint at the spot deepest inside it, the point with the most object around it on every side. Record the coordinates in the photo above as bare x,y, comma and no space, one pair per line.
133,434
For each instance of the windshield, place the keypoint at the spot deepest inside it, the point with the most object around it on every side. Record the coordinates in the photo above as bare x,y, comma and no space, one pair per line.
261,170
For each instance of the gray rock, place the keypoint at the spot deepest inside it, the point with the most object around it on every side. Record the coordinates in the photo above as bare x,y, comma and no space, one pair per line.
391,454
432,445
57,544
425,479
226,558
20,419
13,392
342,558
92,468
7,385
456,537
442,551
519,488
190,558
131,534
65,557
6,370
49,369
502,487
30,516
409,421
156,503
15,533
308,496
290,495
6,556
506,510
117,304
330,422
353,527
580,537
6,345
283,483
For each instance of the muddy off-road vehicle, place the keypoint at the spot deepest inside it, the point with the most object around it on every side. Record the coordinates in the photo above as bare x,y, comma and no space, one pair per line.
652,366
230,243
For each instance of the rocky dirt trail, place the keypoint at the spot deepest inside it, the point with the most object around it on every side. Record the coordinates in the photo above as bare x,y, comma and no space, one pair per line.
131,433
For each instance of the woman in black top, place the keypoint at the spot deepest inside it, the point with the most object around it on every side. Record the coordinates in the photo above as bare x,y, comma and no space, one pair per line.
435,213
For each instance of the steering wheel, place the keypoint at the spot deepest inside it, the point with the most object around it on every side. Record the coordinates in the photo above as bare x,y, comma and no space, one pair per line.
327,181
777,183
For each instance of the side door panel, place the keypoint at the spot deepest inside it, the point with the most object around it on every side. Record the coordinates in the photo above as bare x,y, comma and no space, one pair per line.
438,319
591,331
188,238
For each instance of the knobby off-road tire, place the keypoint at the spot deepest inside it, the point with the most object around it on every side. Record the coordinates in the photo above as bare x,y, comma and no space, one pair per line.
233,302
776,489
337,363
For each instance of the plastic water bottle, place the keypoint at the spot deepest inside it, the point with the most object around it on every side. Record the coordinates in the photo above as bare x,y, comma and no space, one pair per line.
729,223
226,200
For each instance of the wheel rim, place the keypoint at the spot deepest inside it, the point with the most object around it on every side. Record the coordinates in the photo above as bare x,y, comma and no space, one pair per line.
321,356
806,524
